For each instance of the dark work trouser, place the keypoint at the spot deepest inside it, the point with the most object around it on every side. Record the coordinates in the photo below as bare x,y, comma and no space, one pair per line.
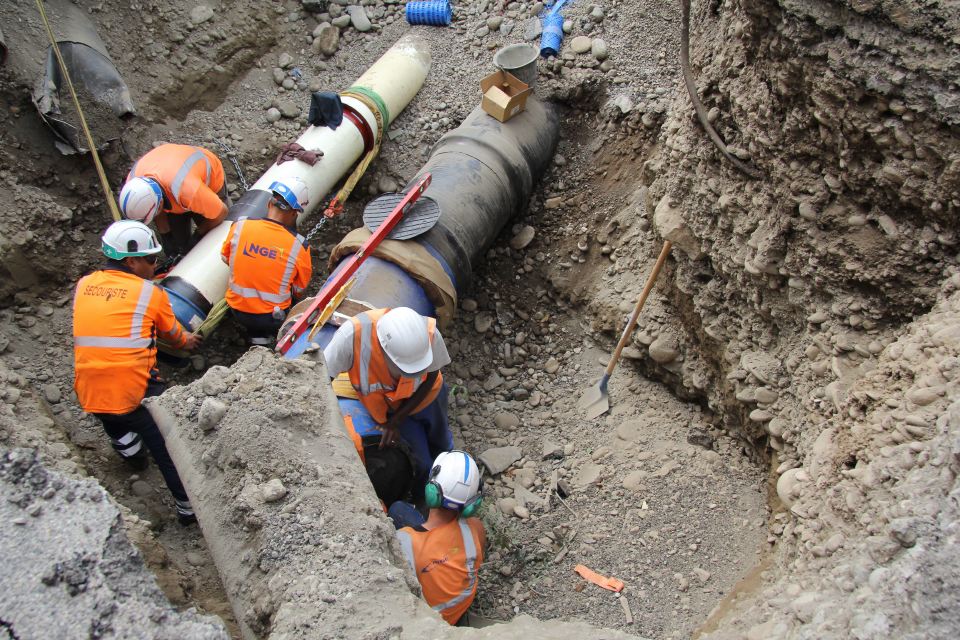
261,328
140,422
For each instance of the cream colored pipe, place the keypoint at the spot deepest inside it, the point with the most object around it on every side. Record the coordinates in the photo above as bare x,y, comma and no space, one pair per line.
396,78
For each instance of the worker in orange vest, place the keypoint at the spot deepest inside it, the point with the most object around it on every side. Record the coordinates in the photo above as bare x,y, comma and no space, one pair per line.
389,354
171,185
270,264
445,550
118,315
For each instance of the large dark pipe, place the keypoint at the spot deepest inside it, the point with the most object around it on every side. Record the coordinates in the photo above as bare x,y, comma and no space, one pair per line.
483,174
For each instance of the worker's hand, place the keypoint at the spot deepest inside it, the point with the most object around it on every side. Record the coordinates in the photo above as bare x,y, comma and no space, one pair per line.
192,341
391,435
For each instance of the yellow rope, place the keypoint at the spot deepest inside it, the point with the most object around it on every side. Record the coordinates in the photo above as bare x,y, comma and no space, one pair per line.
337,203
104,183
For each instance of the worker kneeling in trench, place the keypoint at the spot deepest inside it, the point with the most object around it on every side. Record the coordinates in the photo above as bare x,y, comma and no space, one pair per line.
445,550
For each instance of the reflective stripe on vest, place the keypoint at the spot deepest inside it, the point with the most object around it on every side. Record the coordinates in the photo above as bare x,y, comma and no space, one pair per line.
366,351
470,550
181,175
135,341
266,296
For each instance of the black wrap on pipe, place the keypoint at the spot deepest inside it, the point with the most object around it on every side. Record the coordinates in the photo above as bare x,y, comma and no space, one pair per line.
483,174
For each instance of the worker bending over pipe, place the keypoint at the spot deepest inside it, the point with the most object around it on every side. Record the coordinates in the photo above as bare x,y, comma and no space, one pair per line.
393,359
171,185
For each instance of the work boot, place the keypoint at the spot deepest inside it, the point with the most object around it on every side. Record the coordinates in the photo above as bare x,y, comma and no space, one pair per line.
138,461
185,514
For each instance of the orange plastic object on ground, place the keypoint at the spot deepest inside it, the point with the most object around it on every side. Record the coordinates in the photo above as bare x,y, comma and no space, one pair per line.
612,584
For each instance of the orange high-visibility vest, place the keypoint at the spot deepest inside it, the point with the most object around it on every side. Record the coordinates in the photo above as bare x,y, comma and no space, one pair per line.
369,375
268,265
447,563
117,317
189,176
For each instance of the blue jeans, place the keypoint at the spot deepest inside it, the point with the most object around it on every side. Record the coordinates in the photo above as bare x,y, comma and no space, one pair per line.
405,514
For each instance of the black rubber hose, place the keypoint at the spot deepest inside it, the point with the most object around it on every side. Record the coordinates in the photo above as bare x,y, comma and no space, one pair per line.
695,99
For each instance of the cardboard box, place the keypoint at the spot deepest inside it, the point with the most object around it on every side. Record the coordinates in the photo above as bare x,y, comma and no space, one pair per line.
503,95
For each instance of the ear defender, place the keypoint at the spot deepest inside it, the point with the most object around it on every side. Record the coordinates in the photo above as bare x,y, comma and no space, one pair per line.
472,506
433,495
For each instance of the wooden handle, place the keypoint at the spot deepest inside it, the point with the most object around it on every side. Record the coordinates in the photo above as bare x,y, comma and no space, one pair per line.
627,330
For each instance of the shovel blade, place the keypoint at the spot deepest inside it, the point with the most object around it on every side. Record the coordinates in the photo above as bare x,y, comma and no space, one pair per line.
595,402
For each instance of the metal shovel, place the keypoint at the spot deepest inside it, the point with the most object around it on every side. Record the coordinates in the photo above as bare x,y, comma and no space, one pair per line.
595,401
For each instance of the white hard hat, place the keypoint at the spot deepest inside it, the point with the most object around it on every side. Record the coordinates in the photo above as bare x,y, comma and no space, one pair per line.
128,238
141,199
403,335
458,478
293,191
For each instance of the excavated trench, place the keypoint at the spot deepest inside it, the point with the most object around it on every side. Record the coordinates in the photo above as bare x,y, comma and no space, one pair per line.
779,456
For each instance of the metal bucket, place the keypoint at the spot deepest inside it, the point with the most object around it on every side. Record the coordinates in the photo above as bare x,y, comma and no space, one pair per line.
519,60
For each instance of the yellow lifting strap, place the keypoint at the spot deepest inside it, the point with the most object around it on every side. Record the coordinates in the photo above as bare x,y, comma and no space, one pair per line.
336,205
104,183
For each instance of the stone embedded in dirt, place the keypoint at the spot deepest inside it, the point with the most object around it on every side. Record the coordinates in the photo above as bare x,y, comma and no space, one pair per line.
700,438
506,421
664,349
588,474
507,505
670,223
631,430
818,317
211,413
521,512
551,366
494,22
51,393
580,44
762,365
599,50
634,480
552,450
469,305
482,322
326,39
273,115
359,19
288,109
532,28
285,60
273,490
788,484
341,22
523,238
215,380
498,459
702,575
141,489
200,14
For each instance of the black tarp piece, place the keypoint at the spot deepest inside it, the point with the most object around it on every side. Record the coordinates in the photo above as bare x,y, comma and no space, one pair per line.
103,94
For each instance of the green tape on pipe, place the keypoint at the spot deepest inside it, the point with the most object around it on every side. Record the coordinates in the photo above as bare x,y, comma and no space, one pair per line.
376,99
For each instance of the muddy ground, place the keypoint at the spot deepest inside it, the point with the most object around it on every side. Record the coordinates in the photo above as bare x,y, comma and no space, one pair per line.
779,426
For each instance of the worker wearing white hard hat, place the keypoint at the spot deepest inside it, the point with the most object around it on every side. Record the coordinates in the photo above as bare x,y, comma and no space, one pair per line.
393,358
172,185
445,549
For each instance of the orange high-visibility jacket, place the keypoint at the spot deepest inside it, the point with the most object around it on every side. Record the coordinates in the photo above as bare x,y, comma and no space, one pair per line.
447,563
269,265
117,317
369,375
190,177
